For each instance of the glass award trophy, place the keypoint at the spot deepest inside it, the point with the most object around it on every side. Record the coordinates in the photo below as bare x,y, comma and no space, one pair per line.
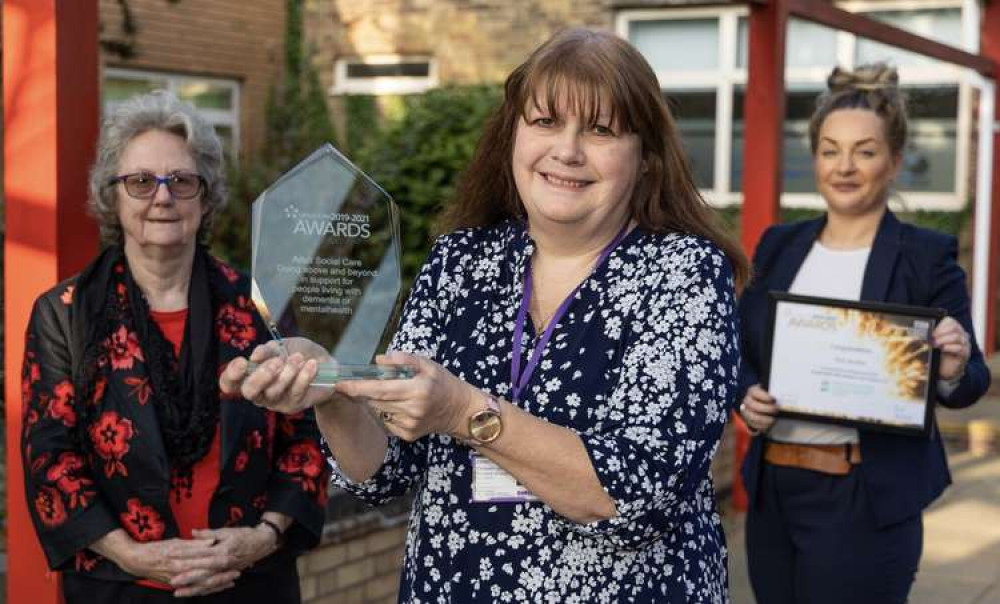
325,264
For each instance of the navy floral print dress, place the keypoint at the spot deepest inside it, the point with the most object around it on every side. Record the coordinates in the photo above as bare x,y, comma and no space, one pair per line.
643,366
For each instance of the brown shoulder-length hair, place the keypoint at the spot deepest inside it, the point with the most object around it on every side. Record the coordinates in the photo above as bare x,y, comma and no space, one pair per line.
586,68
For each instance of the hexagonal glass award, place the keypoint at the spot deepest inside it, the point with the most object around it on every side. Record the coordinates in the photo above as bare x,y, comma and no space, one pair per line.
325,263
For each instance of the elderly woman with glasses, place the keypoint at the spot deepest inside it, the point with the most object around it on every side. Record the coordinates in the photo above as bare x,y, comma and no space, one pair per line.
143,481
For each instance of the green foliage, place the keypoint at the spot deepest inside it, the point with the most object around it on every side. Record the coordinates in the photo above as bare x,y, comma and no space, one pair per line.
729,217
945,222
362,119
418,157
231,233
298,122
789,215
951,223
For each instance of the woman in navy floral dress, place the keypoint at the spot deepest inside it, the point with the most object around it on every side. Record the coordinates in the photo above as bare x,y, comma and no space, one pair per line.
572,466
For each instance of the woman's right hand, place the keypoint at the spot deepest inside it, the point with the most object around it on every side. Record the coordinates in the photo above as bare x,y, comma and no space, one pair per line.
162,561
758,409
279,383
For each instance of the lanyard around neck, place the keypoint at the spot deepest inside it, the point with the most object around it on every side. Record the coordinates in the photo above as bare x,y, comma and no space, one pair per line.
519,379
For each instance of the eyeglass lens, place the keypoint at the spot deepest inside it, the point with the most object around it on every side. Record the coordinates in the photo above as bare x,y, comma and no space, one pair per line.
182,185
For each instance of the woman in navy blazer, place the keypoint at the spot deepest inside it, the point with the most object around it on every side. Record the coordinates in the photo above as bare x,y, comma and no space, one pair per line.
835,513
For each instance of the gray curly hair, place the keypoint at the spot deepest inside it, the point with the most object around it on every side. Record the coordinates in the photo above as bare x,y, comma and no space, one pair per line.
157,110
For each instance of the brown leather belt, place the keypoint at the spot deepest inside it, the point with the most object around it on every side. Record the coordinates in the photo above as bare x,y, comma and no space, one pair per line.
828,459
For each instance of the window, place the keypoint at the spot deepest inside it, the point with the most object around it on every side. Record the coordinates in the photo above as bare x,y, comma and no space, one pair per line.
384,74
929,160
217,100
942,25
695,115
700,58
807,44
682,45
797,176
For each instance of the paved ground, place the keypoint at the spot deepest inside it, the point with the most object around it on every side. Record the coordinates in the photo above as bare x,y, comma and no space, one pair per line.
961,560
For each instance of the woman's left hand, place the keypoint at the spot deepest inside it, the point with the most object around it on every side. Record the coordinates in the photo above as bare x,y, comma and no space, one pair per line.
956,348
235,549
432,401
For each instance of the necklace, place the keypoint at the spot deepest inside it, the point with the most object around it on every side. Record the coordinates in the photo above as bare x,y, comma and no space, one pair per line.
518,378
540,321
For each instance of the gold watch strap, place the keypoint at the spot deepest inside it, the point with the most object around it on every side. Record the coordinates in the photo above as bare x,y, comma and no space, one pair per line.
492,402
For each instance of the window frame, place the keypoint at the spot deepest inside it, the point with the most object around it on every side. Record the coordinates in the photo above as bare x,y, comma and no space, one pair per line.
215,117
383,85
728,76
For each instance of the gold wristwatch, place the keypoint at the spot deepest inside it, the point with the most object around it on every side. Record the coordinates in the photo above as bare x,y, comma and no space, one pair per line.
485,426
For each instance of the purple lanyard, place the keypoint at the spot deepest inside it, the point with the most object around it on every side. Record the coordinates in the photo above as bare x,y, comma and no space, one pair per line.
519,380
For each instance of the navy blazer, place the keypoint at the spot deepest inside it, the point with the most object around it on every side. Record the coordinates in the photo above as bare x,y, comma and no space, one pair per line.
907,265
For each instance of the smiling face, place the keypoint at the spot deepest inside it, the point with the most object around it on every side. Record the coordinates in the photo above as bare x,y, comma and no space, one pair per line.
572,169
160,222
854,164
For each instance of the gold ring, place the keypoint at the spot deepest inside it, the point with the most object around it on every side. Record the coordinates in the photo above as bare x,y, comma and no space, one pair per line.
386,417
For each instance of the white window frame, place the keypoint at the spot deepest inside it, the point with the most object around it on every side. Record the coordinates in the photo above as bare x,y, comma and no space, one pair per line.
379,85
722,80
174,81
728,76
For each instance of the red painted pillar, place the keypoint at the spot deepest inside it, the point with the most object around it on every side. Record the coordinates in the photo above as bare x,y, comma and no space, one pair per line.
764,111
50,102
990,48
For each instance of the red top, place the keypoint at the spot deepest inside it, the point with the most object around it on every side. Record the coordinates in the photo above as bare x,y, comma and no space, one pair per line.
189,502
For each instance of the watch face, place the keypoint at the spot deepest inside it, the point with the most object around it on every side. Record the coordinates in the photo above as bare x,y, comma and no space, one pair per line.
485,426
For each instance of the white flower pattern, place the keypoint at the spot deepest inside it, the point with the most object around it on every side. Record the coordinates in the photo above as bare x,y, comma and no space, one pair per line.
643,367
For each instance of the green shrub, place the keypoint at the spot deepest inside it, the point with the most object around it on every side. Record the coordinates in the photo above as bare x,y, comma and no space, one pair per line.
298,122
418,157
362,122
951,223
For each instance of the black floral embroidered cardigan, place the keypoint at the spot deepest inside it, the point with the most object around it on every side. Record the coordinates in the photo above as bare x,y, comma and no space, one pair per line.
268,461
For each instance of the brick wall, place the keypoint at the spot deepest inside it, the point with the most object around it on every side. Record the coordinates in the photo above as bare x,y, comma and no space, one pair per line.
472,41
231,39
358,567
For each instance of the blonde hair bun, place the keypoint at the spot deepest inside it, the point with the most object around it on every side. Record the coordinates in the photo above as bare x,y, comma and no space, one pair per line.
873,87
867,78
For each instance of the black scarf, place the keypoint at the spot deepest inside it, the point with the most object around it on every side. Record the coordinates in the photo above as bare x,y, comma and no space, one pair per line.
183,390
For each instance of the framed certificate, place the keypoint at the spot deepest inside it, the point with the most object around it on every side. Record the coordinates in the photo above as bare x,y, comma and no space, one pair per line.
863,364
